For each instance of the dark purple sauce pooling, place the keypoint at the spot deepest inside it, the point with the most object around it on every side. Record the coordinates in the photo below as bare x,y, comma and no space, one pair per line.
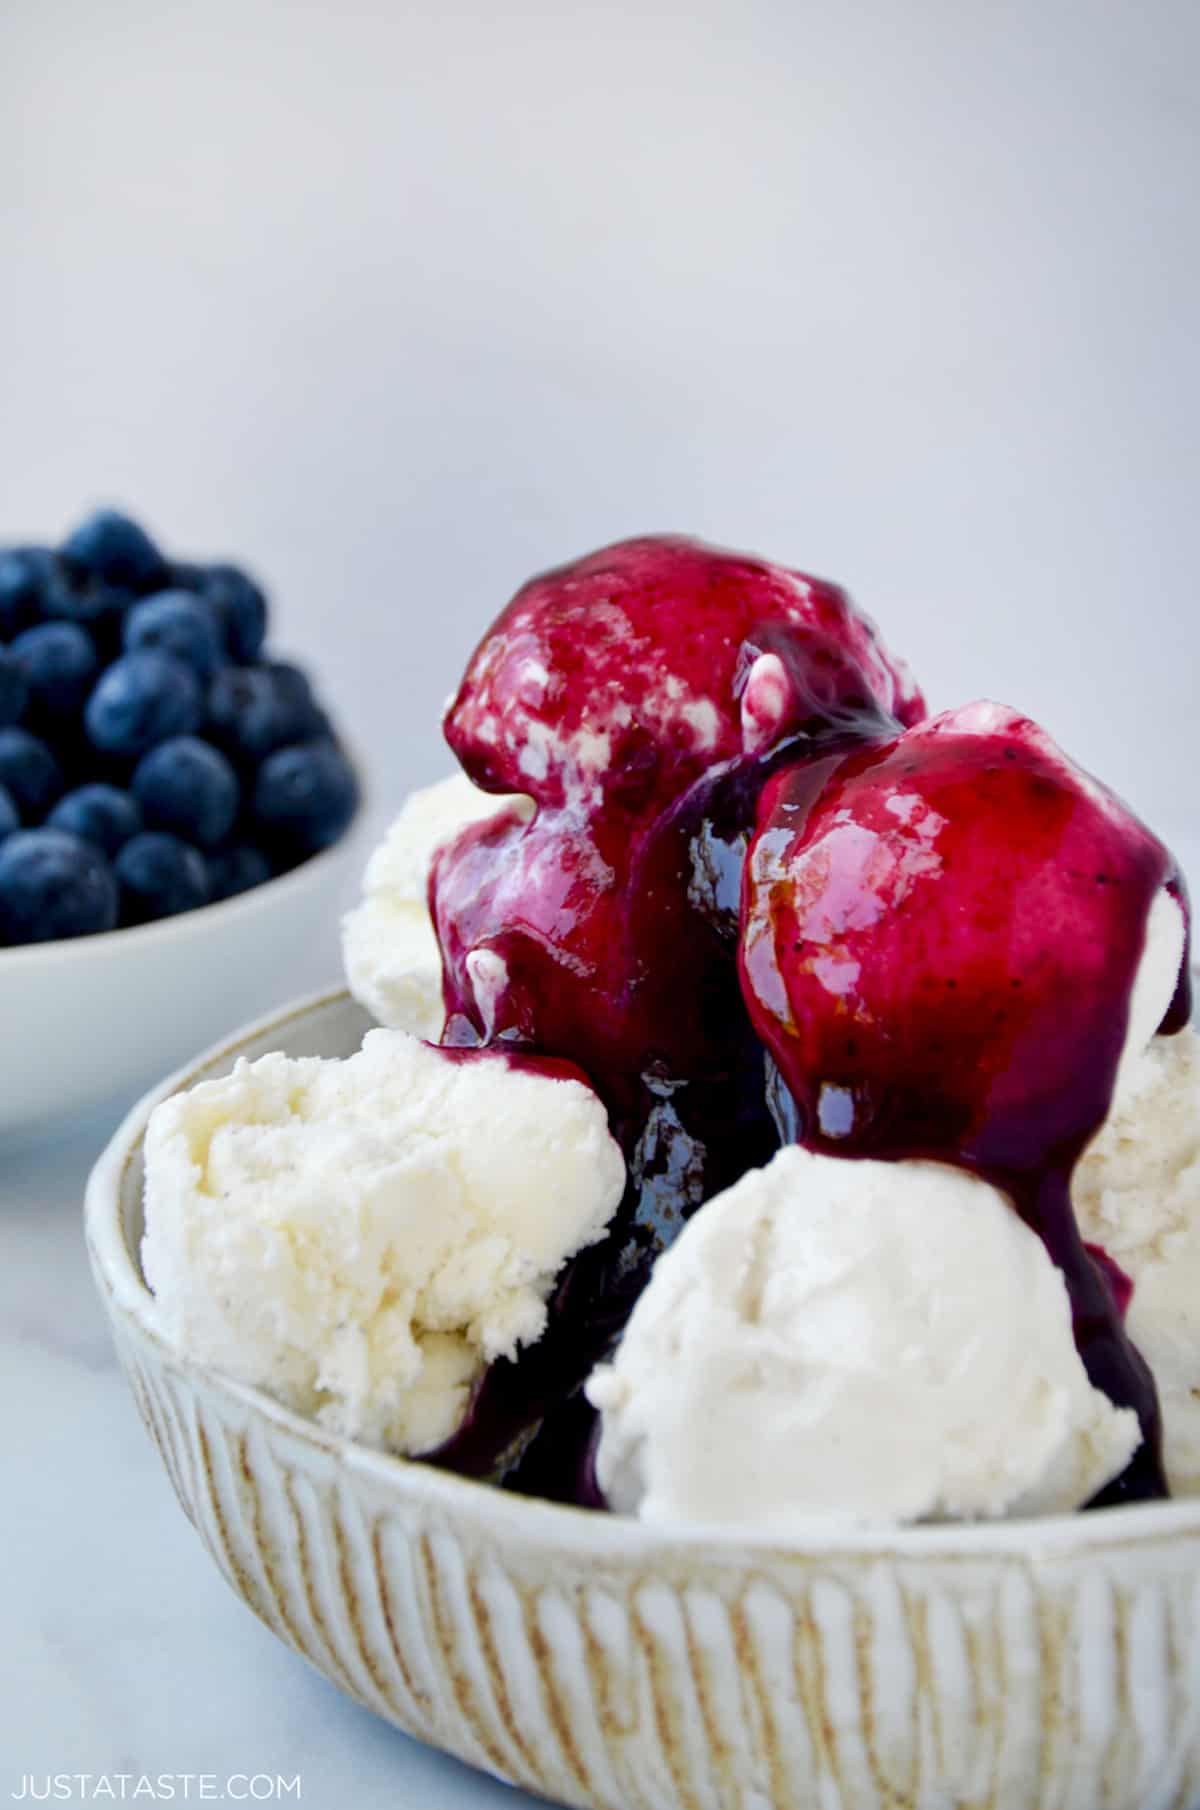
940,943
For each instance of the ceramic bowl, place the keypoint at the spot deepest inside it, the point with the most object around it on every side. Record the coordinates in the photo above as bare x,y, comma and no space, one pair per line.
1038,1665
101,1016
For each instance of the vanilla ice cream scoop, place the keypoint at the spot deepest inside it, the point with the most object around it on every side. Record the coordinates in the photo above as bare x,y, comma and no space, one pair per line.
1136,1192
389,950
855,1342
361,1238
953,944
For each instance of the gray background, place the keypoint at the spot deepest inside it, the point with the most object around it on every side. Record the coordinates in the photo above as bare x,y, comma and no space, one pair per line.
400,303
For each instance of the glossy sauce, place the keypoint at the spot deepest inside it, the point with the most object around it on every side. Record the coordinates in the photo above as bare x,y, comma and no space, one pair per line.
657,686
941,936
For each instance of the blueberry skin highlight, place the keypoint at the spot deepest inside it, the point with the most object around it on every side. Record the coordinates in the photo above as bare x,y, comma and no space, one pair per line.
59,663
180,624
159,877
188,788
142,699
53,885
111,547
102,815
305,796
13,690
30,773
10,818
237,869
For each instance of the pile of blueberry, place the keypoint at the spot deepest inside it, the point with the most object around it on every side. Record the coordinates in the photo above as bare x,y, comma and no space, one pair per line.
153,756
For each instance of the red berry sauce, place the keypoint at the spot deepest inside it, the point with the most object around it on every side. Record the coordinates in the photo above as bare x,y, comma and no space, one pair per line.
642,697
940,938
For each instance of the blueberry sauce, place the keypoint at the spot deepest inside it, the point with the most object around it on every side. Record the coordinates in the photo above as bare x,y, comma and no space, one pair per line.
616,679
941,936
642,697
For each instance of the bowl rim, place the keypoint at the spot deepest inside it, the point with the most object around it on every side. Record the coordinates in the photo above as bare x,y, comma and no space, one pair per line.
531,1519
63,951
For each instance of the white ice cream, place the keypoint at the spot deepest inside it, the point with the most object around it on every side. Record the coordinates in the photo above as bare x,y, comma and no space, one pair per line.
853,1342
389,950
861,1341
362,1237
1137,1193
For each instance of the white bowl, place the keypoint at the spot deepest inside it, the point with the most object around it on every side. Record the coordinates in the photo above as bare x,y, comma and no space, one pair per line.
1019,1665
93,1017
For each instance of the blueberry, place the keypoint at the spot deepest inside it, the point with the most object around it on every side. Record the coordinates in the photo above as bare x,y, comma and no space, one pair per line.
110,547
237,869
295,687
29,772
159,876
58,660
13,690
252,710
89,602
187,575
25,573
180,624
243,610
142,699
305,796
188,787
10,818
292,683
100,814
53,885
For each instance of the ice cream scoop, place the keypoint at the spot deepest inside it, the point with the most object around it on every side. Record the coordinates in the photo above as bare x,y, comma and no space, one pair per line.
389,951
621,675
856,1343
941,936
641,697
1136,1193
363,1238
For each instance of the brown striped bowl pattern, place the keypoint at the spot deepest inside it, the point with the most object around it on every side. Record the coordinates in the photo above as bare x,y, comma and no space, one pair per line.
1049,1665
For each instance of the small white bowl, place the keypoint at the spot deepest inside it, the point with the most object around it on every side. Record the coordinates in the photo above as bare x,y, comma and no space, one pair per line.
1018,1665
93,1017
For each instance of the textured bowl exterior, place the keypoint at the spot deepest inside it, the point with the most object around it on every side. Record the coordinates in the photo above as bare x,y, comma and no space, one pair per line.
1050,1665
